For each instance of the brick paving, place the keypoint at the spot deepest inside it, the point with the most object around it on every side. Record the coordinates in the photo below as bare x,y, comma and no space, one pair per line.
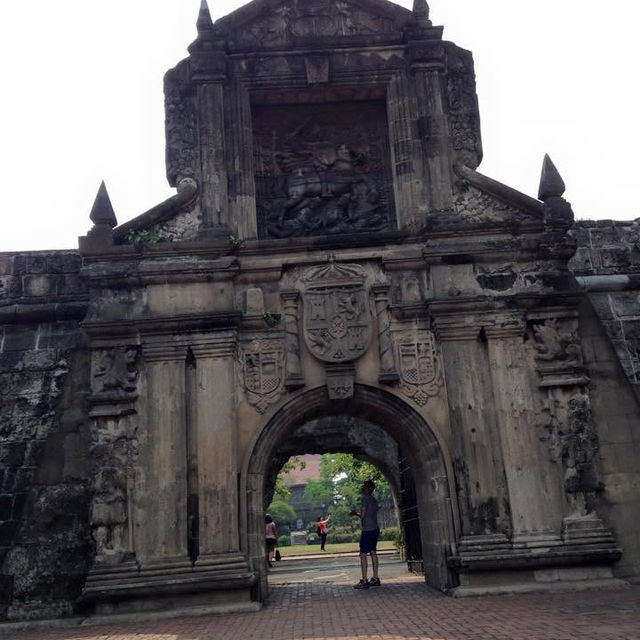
399,610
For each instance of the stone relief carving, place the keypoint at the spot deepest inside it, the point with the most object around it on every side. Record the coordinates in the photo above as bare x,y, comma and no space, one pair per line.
337,316
317,18
115,373
556,342
464,121
322,170
180,125
114,447
476,207
263,370
418,366
340,381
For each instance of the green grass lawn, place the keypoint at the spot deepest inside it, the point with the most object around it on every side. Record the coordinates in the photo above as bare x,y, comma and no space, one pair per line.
308,549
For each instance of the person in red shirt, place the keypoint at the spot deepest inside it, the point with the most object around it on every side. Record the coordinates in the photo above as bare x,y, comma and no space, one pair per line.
321,528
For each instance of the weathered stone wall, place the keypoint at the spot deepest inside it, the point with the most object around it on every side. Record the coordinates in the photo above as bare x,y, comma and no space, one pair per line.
44,498
607,265
608,259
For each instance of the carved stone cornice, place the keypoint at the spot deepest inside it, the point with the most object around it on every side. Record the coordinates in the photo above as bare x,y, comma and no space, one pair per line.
168,325
467,326
504,325
457,328
163,351
221,344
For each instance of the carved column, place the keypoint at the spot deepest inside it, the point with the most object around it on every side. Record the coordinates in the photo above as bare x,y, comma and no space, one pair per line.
217,447
388,369
427,67
533,496
479,466
161,480
215,220
293,372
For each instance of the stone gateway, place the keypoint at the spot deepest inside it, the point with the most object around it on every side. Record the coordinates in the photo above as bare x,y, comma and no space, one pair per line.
333,274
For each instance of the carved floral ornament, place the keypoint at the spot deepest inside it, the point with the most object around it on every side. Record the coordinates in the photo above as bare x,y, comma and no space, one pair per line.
263,370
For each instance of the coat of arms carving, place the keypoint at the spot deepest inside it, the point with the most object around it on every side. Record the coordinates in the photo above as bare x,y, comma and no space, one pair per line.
263,371
337,316
418,366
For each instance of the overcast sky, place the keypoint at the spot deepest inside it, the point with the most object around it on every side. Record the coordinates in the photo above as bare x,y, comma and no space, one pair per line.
82,102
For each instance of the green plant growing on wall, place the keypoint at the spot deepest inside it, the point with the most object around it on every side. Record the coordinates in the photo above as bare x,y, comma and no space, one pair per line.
140,238
235,241
272,319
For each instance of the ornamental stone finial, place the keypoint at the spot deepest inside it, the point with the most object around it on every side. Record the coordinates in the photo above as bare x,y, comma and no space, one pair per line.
551,183
421,13
102,214
204,17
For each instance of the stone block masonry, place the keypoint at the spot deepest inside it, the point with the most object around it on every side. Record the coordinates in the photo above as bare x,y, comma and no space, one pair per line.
44,501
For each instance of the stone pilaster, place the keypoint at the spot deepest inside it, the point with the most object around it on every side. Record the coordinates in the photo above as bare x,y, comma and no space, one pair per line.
482,492
388,369
533,496
406,155
293,372
242,184
427,67
215,432
215,214
161,479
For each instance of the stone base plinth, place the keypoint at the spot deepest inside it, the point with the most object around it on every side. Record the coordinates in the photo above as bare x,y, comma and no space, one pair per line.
172,583
537,580
535,562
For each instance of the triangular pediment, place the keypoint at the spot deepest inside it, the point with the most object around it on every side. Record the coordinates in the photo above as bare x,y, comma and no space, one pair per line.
268,24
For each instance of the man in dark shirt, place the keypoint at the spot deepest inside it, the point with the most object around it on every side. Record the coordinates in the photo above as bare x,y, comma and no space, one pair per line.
368,515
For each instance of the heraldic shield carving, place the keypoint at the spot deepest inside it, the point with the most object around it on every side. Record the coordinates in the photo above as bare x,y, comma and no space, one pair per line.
337,317
263,369
418,365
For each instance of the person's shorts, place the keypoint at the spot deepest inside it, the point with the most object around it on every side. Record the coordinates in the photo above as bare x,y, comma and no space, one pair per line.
369,541
271,544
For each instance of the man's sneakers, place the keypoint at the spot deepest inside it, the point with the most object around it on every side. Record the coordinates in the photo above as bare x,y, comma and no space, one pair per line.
364,584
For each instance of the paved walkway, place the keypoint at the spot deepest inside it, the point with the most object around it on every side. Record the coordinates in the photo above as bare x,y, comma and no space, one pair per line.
325,607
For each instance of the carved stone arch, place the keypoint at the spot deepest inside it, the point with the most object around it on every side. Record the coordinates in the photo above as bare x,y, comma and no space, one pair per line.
428,454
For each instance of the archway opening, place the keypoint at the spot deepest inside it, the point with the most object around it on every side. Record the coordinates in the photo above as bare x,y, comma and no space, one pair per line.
376,426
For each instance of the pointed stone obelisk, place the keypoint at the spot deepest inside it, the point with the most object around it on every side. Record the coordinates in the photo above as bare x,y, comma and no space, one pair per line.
551,183
102,211
103,218
204,22
557,211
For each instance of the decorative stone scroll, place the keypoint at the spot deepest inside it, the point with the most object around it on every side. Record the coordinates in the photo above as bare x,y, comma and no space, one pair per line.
263,371
418,366
337,318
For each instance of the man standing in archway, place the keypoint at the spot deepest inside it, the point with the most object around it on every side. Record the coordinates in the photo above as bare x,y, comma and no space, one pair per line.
369,537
